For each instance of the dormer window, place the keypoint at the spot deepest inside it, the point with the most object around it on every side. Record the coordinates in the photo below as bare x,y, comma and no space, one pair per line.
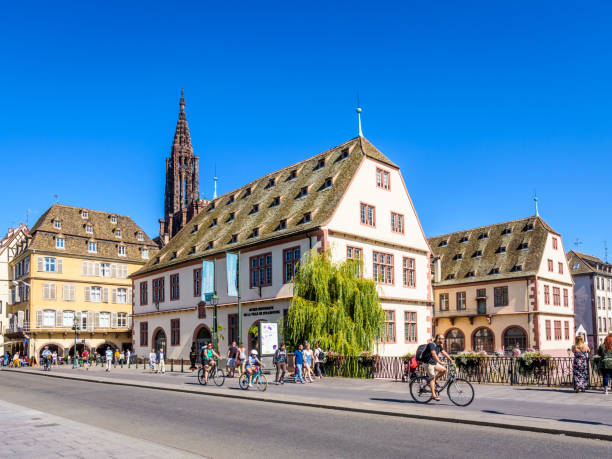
254,233
501,249
247,193
211,207
213,223
450,277
140,237
121,251
275,202
113,219
195,229
89,229
193,250
210,245
303,192
306,218
516,269
343,155
233,239
174,254
464,239
494,271
271,183
255,209
231,217
117,233
156,262
483,236
576,266
506,231
84,214
477,254
470,274
528,227
57,224
281,225
145,254
458,257
230,200
523,246
327,184
292,175
443,243
320,164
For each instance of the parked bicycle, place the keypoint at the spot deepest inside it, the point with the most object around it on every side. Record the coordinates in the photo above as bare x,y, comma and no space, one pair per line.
459,390
258,380
216,374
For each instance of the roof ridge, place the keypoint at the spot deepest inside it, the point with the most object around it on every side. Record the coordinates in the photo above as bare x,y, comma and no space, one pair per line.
483,226
89,210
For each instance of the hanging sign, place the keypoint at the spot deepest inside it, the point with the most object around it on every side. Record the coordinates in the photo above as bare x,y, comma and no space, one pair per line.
268,337
208,280
232,274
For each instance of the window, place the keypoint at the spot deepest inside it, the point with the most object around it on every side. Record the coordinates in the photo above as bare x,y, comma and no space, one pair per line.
528,227
389,331
261,270
560,268
174,287
306,218
88,229
444,302
494,271
92,247
68,292
232,328
113,219
409,277
121,251
461,304
105,270
254,233
144,333
213,223
122,320
368,215
175,332
48,291
506,231
566,329
464,239
565,297
546,294
275,202
397,223
158,290
197,282
383,179
211,207
501,249
556,296
443,243
326,184
145,254
515,337
140,237
195,229
254,209
233,239
554,243
455,341
482,236
576,266
84,214
550,265
303,192
291,260
483,340
477,254
343,155
382,267
95,294
320,164
282,225
271,183
57,224
105,320
548,331
558,330
500,296
67,319
48,318
59,243
469,274
458,257
121,296
247,193
144,293
516,268
410,327
355,253
230,200
292,175
50,264
118,233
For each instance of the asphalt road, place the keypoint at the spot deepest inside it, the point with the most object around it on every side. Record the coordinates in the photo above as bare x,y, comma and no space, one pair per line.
218,427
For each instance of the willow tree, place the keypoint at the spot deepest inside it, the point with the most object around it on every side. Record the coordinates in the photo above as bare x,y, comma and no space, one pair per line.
332,305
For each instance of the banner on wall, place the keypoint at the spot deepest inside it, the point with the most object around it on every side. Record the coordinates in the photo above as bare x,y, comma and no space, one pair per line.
208,280
268,341
232,274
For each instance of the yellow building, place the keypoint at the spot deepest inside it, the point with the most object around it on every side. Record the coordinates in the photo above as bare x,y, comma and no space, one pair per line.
72,270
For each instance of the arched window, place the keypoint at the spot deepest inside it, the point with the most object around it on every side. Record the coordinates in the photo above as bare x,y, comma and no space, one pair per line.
515,337
159,340
455,341
483,340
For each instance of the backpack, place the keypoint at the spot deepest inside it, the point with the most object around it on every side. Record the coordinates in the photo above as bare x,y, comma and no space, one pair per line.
421,353
321,355
414,364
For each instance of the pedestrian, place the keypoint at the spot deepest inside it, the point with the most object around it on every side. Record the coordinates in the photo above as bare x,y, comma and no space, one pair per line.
109,357
6,359
152,360
280,360
54,358
122,358
232,354
86,359
605,362
193,356
128,357
160,361
580,365
242,356
308,358
319,357
298,363
16,359
117,356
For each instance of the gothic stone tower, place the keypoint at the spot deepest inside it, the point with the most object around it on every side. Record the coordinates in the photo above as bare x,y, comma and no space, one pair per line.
182,198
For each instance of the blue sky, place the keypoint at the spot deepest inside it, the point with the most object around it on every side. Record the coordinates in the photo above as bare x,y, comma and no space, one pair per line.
479,103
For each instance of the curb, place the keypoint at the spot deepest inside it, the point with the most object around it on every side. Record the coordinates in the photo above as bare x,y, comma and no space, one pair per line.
524,428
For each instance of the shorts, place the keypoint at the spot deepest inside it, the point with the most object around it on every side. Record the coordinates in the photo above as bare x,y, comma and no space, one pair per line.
231,363
433,368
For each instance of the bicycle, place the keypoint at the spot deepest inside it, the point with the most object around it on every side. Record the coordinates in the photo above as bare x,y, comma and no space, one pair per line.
216,374
46,364
459,390
258,379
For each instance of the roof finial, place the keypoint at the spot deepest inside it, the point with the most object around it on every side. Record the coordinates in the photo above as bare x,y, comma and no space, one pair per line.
358,110
535,199
215,178
182,102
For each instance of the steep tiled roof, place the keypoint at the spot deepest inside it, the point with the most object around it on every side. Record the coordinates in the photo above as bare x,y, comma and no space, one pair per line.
587,263
73,228
482,254
257,211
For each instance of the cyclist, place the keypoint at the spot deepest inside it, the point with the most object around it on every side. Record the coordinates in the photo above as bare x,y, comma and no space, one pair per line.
208,359
46,354
433,365
251,366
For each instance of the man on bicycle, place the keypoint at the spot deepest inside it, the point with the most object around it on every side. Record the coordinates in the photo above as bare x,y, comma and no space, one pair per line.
46,355
251,366
433,365
208,359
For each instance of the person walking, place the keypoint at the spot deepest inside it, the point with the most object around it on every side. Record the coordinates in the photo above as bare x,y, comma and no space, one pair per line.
298,363
580,365
85,356
152,360
117,357
308,358
319,356
128,357
54,358
280,361
242,356
109,357
232,353
122,357
160,361
193,356
605,362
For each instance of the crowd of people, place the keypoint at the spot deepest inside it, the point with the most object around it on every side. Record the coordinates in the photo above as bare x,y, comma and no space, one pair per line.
84,358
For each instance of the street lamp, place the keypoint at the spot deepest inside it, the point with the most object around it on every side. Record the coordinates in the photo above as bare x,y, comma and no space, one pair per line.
215,301
75,327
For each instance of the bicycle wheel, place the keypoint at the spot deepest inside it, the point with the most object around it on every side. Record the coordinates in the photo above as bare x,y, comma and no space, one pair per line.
262,383
243,382
460,392
218,377
420,390
201,376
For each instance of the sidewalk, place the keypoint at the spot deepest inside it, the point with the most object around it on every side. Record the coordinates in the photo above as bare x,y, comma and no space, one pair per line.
558,410
30,433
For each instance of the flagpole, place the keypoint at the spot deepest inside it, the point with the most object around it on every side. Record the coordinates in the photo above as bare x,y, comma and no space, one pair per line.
239,303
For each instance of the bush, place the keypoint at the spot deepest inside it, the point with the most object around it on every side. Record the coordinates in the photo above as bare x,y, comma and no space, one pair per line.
531,362
468,360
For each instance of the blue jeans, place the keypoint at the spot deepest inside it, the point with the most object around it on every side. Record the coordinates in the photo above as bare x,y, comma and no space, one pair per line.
607,374
298,372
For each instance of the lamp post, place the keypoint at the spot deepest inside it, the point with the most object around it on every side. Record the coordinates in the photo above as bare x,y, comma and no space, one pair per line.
215,301
75,327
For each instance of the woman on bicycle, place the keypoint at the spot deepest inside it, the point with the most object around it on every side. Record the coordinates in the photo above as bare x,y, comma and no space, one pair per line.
208,360
252,365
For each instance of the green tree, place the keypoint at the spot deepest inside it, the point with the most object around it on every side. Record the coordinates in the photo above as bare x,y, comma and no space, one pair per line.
334,306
